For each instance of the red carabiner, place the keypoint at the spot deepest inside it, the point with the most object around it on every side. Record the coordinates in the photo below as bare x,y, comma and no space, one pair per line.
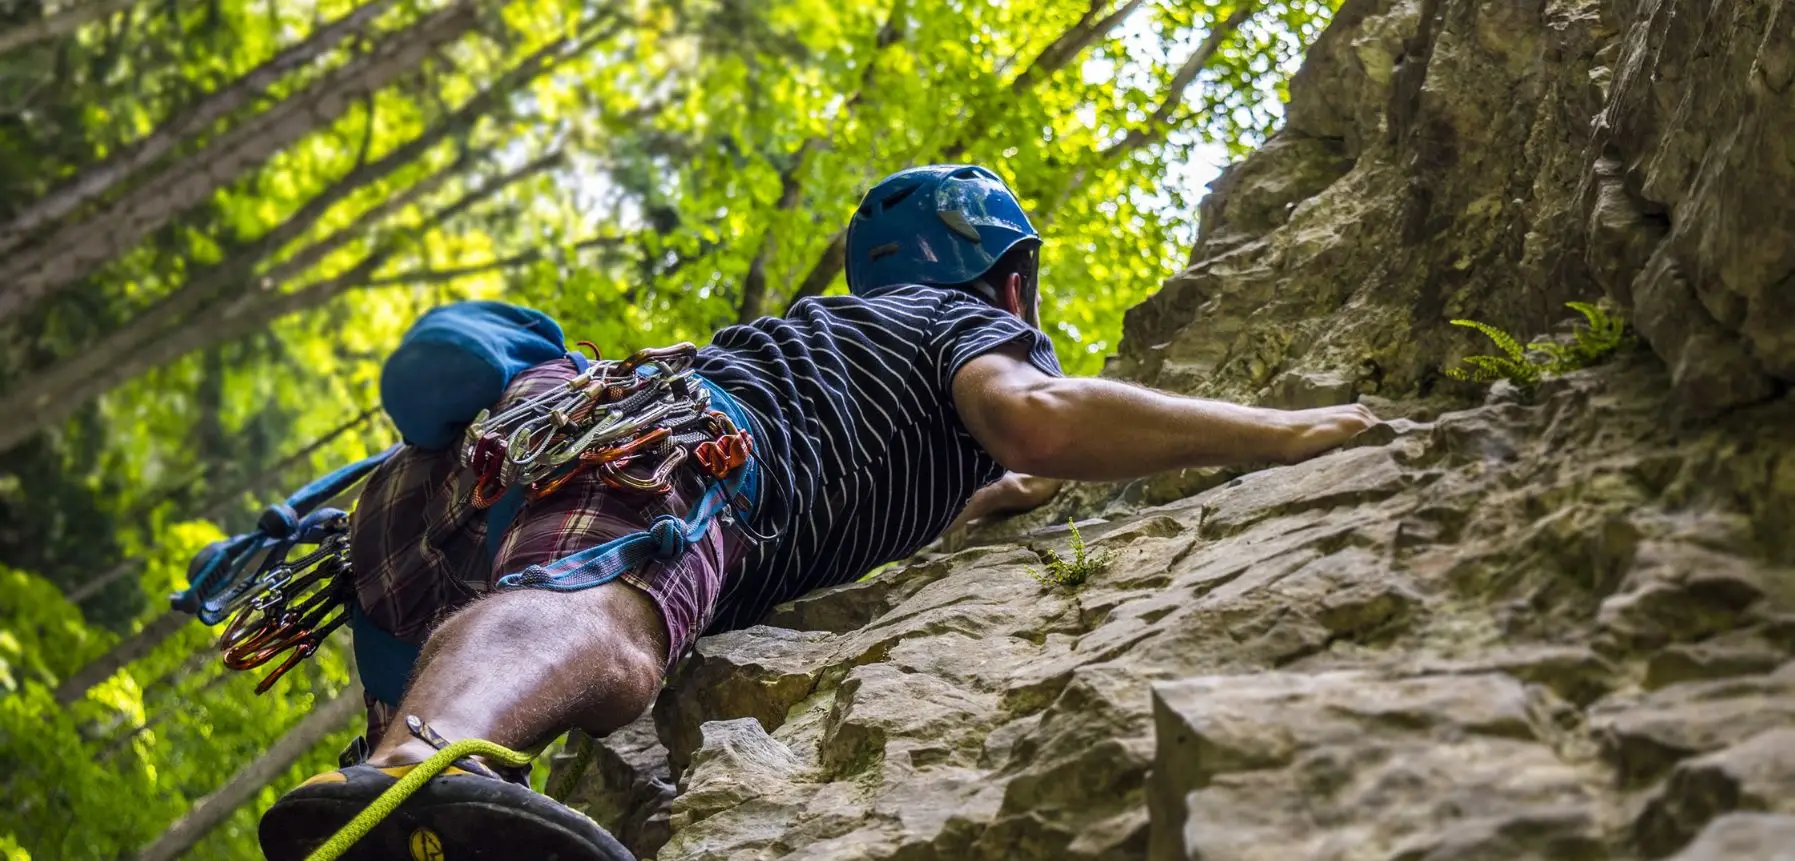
486,464
305,650
725,454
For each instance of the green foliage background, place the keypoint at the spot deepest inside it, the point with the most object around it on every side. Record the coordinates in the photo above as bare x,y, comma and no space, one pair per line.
645,171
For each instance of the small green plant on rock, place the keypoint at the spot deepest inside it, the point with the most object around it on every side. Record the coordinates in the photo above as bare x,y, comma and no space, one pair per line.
1072,574
1606,333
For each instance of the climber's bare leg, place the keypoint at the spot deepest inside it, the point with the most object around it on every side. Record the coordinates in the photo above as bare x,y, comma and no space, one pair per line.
520,667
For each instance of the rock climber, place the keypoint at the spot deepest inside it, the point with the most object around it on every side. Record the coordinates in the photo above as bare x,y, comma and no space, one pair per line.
929,396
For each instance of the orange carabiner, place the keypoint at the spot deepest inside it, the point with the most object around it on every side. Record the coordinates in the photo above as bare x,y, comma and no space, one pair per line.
725,454
625,451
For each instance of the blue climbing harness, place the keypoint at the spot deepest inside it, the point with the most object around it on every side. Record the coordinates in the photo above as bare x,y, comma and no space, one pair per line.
649,408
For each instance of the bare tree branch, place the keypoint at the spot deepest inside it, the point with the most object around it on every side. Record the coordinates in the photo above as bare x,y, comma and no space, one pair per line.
76,249
439,276
754,285
214,809
1158,125
59,24
1056,56
215,507
194,663
152,634
129,649
103,177
1073,42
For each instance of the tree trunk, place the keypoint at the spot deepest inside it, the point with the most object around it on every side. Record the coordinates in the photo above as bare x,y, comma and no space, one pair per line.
76,249
129,649
49,395
215,506
59,24
103,177
754,286
252,311
214,809
823,272
1056,56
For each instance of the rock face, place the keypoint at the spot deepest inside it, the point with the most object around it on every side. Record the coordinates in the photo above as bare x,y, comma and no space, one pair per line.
1556,625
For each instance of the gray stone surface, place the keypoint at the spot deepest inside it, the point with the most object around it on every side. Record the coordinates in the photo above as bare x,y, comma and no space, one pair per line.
1555,624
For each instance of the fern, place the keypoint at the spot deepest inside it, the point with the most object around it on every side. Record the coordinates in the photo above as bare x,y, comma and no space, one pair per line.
1071,574
1488,369
1503,340
1605,334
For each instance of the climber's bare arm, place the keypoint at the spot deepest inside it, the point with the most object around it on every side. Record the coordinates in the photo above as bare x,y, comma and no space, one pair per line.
1092,429
1014,492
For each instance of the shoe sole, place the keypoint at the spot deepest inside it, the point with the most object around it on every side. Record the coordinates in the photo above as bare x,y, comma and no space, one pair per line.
426,829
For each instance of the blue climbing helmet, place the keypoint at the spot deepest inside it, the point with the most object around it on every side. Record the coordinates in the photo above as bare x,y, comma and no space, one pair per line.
941,225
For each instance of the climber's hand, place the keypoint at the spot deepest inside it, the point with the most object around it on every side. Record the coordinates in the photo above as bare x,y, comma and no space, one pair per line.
1325,428
1012,494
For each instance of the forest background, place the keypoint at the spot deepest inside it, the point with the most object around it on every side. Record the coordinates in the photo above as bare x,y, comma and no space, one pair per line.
216,216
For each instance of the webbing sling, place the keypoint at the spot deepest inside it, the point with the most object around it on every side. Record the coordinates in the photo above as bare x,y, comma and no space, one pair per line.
665,539
385,661
216,586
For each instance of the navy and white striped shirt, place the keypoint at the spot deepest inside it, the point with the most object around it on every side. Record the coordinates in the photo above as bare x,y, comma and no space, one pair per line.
866,459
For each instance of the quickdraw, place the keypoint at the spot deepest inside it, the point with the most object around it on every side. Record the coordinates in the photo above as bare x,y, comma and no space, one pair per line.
645,411
292,612
633,422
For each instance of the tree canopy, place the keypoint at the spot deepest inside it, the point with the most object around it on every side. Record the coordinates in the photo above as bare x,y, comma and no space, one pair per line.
216,216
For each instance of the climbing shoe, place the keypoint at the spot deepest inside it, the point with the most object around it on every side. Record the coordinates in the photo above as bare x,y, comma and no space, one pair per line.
465,810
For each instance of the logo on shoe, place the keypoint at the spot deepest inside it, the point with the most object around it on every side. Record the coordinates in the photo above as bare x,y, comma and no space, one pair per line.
426,846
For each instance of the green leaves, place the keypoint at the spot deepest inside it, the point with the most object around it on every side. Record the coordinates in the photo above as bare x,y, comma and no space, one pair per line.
1604,334
1069,574
695,143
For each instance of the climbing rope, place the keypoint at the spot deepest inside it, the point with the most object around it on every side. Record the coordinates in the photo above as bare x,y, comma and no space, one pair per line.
388,801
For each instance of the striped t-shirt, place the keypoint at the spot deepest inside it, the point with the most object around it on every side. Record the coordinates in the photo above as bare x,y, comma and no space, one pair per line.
866,459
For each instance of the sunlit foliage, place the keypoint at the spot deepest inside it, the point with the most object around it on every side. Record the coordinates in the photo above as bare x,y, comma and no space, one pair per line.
193,290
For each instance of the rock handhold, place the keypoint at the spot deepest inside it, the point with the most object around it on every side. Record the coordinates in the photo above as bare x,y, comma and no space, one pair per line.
1644,736
1286,765
1756,775
1744,837
622,781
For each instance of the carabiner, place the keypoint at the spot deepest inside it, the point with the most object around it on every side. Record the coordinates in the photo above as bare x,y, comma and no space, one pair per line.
726,454
658,482
538,446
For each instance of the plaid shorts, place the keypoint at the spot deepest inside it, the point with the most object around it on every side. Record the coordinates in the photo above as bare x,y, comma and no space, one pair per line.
418,546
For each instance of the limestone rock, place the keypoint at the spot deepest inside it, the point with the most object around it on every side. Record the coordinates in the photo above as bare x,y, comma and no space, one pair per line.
1755,775
1343,765
760,673
1644,735
1544,623
1744,837
622,781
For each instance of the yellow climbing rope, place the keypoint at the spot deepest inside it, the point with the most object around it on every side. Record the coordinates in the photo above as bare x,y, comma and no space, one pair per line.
388,801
